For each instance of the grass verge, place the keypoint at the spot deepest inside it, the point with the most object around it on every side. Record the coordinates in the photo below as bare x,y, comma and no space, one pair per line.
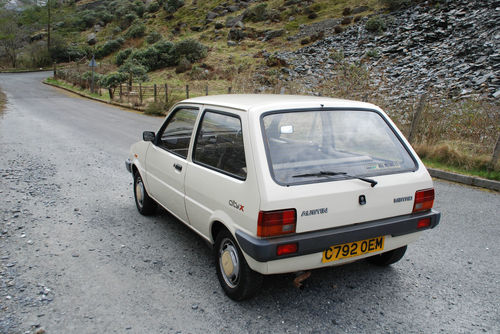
3,100
485,174
59,83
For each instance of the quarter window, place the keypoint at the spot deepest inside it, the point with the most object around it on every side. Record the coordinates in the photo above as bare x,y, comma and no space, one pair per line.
177,134
219,144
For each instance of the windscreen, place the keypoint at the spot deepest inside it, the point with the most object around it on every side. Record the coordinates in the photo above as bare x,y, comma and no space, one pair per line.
326,145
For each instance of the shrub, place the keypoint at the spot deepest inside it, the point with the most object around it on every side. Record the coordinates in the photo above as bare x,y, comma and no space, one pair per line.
156,109
191,49
153,37
153,7
136,30
122,55
172,5
113,79
396,4
256,13
88,19
139,8
126,20
375,24
135,69
109,47
88,76
105,17
373,53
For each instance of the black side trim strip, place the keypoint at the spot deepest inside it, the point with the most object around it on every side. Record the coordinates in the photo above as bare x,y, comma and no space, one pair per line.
263,250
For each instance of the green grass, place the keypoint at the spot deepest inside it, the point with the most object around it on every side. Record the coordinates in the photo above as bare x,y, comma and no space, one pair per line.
491,175
64,84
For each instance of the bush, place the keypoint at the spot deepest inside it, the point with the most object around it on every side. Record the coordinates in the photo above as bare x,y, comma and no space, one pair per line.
375,24
105,17
172,5
126,20
139,8
153,37
257,13
88,76
156,108
109,47
122,55
134,68
191,49
113,79
153,7
136,30
396,4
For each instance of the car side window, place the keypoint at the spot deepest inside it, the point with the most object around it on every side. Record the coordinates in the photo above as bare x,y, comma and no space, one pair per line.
177,133
219,144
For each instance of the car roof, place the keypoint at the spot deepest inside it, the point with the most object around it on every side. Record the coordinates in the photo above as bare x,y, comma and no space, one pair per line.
268,102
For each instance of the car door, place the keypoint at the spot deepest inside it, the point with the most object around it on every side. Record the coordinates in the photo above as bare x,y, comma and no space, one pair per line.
166,161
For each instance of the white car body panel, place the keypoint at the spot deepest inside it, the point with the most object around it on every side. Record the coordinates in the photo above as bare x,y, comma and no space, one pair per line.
200,196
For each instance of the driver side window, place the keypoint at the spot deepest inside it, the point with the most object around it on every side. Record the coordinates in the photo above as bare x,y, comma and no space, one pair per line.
176,135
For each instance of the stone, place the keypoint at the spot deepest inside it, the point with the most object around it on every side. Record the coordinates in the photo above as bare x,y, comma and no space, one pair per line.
91,39
211,16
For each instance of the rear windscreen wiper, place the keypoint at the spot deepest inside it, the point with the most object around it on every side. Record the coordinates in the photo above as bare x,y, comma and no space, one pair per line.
327,173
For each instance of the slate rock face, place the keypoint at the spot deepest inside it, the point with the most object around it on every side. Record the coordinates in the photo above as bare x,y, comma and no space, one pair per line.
454,47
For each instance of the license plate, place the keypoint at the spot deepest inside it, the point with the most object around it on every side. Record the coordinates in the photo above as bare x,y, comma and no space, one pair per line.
352,249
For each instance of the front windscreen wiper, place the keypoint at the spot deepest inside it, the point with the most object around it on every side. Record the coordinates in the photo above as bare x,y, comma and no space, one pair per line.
327,174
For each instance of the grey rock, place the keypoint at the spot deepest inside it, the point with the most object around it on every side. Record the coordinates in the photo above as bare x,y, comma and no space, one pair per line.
91,39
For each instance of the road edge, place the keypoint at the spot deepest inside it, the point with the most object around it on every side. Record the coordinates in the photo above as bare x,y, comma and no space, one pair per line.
93,98
465,179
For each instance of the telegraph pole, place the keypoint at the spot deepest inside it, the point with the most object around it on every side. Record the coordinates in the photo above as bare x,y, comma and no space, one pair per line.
48,25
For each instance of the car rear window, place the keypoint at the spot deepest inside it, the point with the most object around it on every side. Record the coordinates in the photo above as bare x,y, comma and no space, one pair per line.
317,146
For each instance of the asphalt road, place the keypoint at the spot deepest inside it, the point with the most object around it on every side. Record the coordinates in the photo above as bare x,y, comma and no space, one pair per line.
76,257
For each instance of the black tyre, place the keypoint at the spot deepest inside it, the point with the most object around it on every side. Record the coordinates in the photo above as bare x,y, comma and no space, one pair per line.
235,276
388,258
145,204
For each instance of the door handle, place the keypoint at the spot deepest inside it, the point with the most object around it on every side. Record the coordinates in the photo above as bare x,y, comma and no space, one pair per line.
178,167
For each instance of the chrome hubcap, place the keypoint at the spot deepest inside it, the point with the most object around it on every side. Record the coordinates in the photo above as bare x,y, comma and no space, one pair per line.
139,192
229,263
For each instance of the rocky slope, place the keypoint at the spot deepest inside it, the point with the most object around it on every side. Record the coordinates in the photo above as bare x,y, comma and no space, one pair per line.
451,47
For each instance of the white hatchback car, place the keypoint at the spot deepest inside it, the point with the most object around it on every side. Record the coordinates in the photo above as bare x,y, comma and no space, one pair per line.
281,183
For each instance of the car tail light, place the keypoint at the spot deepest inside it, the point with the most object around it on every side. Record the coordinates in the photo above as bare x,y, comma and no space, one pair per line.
287,249
424,200
273,223
422,223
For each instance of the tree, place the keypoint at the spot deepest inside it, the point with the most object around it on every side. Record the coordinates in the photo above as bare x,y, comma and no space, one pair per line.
12,36
111,81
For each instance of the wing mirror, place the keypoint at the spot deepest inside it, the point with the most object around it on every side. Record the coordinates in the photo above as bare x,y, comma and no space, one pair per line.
148,136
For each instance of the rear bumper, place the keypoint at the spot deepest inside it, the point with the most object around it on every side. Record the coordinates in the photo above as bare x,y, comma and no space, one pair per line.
128,165
263,250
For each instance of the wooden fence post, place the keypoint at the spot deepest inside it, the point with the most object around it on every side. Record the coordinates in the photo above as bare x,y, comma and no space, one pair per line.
187,91
121,92
496,152
155,92
416,118
229,89
55,71
206,90
166,93
140,93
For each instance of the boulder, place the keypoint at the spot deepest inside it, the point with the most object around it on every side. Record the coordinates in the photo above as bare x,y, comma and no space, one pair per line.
91,39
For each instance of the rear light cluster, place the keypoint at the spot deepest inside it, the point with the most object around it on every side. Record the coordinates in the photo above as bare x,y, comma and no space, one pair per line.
274,223
424,200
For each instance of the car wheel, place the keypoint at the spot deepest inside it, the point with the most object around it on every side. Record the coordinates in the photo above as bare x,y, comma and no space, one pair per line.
235,276
145,204
388,258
